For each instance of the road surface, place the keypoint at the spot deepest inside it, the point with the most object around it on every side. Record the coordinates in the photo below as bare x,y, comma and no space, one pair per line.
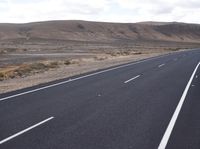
149,104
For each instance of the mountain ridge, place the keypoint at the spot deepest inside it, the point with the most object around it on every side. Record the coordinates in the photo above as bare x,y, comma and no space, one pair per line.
78,30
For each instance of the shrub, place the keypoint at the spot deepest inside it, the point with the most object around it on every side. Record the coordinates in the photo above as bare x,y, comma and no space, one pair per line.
138,53
67,62
37,66
1,76
53,65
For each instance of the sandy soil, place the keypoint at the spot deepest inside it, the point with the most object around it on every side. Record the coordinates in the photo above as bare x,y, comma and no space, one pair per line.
86,65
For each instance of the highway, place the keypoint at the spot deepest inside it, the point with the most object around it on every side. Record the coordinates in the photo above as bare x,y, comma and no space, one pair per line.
148,104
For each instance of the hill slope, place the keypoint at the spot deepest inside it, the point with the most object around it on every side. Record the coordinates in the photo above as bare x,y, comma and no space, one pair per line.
100,32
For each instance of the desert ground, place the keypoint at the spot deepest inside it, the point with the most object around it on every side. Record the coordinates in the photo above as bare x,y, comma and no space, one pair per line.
36,53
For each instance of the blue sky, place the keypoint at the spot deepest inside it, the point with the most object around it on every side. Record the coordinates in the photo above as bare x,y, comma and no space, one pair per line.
22,11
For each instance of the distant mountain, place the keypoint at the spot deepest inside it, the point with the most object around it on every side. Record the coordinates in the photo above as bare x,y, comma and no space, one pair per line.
101,31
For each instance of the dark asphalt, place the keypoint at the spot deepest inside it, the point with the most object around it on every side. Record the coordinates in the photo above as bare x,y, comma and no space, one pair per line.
103,112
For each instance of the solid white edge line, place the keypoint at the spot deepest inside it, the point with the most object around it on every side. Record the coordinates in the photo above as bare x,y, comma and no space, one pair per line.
161,65
71,80
132,79
172,122
25,130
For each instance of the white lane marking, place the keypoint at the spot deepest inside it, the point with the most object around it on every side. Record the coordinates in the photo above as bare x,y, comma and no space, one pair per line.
172,122
132,79
25,130
196,76
161,65
86,76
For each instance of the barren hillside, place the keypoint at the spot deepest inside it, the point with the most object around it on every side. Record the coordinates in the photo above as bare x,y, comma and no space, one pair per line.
100,32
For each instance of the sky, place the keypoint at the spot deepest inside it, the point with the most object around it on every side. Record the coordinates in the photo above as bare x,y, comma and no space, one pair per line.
23,11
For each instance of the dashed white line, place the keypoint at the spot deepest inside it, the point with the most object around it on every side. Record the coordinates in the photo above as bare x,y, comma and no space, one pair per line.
172,122
161,65
78,78
25,130
132,79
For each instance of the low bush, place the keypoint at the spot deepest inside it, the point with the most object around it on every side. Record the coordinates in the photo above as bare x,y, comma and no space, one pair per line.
1,76
67,62
52,65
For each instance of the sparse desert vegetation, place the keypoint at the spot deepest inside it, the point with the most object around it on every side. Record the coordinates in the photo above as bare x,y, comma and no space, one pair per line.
25,70
46,51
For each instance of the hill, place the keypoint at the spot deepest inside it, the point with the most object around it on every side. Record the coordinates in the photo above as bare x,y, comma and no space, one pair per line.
100,31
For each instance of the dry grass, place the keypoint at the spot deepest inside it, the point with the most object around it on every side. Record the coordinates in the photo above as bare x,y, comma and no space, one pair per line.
172,49
100,58
1,76
125,53
72,67
23,70
67,62
52,65
26,69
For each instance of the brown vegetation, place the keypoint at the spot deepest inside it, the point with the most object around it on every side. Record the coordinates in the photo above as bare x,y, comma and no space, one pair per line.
26,69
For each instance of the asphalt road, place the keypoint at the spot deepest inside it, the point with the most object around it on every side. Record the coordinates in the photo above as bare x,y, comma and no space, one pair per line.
132,106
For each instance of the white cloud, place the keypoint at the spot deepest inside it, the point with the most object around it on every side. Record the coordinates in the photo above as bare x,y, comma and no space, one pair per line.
100,10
